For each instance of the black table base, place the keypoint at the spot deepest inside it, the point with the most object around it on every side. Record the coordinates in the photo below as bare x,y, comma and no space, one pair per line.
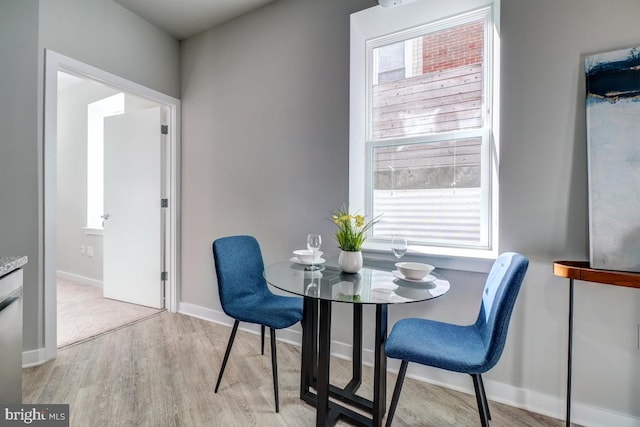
316,354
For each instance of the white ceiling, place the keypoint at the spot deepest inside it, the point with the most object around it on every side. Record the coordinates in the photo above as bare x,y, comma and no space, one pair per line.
185,18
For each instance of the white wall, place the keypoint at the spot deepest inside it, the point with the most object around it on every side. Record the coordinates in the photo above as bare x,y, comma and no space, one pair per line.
72,183
72,180
265,145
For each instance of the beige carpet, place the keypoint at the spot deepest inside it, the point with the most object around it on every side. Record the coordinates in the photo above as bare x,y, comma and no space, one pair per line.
83,313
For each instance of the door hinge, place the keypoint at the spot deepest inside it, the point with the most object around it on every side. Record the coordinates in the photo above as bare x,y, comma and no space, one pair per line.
164,129
164,276
164,203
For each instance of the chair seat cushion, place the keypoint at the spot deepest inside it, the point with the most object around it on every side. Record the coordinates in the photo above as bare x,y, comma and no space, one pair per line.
266,308
442,345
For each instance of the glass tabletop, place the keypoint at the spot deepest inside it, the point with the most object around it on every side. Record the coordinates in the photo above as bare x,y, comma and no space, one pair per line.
376,283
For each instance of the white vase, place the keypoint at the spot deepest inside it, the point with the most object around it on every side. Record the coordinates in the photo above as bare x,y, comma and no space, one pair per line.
351,285
350,262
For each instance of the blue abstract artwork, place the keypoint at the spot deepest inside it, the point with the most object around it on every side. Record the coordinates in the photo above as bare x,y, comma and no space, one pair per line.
613,135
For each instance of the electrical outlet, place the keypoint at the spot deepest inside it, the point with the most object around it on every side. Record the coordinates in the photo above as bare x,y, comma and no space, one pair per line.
90,250
81,249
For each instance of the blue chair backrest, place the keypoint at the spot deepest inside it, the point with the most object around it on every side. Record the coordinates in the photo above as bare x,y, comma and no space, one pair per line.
498,300
239,269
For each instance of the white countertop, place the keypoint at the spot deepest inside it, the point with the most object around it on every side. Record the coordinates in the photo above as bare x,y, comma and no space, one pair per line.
10,263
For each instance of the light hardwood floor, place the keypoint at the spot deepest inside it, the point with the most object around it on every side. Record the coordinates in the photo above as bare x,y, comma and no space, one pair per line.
162,372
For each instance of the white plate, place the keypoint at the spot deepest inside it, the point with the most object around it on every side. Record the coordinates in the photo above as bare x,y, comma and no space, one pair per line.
430,278
297,261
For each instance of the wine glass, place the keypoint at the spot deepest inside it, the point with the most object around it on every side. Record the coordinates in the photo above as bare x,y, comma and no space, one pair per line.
399,246
313,245
313,287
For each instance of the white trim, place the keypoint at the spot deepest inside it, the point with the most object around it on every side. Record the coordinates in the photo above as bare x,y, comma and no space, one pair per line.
83,280
92,231
530,400
33,358
541,403
288,335
55,62
477,262
369,27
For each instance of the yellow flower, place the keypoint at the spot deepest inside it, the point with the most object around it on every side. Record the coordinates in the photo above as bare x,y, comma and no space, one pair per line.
352,229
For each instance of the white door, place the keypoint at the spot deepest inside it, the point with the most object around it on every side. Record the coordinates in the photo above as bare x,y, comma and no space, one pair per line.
133,219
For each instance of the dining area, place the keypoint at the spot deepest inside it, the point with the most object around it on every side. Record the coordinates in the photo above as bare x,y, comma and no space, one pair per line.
306,287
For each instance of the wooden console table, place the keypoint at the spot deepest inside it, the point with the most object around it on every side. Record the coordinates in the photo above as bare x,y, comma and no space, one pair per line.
581,270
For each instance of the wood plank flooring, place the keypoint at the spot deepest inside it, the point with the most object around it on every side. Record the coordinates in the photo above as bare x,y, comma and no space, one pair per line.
162,372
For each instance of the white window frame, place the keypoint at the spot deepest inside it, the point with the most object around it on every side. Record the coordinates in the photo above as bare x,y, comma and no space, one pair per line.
376,23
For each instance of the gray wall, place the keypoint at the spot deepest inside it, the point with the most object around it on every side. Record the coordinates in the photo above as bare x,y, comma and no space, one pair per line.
19,137
265,133
104,34
265,145
98,32
544,202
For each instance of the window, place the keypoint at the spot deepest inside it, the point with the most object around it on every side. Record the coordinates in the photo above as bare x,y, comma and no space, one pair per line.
422,140
388,63
96,112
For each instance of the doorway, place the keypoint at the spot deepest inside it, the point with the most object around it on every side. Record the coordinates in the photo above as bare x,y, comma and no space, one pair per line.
109,158
105,251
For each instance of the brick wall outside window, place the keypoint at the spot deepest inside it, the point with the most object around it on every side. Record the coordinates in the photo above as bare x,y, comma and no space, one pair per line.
454,47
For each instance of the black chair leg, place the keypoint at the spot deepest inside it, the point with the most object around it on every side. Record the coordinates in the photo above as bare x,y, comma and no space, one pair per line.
226,354
262,338
396,392
484,396
274,366
481,398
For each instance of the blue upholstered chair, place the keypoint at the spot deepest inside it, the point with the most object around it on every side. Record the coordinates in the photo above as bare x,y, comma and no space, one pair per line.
471,349
245,297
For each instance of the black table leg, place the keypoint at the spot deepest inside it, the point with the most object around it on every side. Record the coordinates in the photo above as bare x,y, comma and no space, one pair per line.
356,360
324,354
316,354
569,353
309,347
380,366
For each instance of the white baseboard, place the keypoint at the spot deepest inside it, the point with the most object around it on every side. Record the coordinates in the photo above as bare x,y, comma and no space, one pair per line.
79,279
33,358
289,335
541,403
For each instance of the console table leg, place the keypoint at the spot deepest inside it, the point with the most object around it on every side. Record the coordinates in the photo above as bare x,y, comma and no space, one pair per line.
569,353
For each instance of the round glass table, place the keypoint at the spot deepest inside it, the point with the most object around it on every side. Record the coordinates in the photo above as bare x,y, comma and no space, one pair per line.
376,284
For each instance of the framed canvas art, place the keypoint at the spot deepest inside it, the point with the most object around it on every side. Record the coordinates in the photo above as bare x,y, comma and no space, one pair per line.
613,141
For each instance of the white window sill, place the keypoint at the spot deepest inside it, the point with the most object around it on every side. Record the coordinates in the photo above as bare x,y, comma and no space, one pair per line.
474,260
92,231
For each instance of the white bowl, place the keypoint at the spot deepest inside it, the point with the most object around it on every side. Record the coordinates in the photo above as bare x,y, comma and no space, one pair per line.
414,270
307,257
